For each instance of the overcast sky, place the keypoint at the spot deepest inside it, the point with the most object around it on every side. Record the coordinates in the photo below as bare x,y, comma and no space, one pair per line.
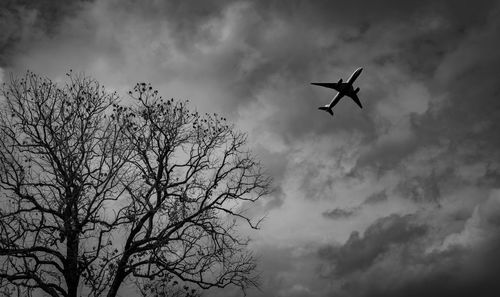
401,198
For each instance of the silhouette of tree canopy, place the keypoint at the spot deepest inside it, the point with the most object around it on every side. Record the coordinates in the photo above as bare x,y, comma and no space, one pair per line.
95,193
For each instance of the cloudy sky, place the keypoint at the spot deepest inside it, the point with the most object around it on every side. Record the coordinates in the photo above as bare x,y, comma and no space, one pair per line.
401,198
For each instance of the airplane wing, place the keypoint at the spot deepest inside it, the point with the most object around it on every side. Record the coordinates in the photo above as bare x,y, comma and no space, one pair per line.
355,98
334,86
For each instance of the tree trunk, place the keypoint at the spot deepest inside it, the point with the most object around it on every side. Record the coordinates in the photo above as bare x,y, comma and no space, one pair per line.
72,273
117,281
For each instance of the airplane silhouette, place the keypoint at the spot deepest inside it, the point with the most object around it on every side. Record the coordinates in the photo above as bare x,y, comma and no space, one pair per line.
343,89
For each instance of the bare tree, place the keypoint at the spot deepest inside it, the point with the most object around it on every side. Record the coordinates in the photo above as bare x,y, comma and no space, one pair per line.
59,167
95,193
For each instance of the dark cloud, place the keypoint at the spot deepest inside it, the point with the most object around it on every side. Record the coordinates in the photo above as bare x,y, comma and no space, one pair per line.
24,22
454,273
360,252
395,257
339,213
376,198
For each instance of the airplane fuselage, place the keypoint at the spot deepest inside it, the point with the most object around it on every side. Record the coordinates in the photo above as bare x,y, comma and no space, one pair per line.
354,76
345,89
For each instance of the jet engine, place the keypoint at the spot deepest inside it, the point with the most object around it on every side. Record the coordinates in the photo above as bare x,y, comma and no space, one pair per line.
356,91
340,81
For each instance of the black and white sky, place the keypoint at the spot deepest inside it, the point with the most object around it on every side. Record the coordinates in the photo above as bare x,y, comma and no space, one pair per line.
401,198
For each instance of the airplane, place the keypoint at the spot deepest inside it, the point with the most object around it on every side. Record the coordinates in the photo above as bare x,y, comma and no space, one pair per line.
343,89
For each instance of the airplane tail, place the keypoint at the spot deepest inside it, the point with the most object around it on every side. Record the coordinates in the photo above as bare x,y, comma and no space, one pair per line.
327,109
